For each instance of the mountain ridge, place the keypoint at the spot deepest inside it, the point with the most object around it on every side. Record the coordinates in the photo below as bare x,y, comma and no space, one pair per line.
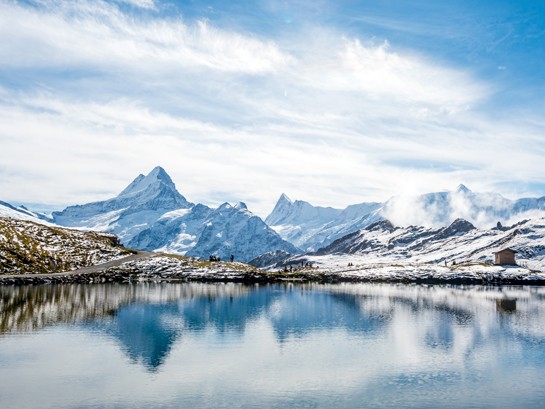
150,214
432,209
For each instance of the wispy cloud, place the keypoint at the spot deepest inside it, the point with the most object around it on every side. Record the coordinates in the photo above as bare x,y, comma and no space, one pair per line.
144,4
95,34
92,94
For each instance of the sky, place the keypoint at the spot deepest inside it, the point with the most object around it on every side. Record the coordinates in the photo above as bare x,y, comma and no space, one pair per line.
332,102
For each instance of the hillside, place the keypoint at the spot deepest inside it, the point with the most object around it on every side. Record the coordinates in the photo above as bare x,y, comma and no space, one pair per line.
461,242
29,247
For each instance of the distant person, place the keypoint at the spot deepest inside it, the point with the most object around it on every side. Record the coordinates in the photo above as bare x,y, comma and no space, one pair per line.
232,258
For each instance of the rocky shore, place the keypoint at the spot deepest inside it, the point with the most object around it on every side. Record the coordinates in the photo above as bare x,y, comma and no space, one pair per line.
170,268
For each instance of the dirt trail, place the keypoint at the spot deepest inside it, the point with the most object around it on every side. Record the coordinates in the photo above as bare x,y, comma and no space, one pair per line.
113,263
91,269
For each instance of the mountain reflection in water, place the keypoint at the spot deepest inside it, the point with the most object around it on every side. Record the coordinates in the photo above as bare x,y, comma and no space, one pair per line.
409,334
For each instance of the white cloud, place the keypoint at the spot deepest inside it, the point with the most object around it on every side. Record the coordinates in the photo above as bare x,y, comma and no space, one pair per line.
88,34
234,116
377,71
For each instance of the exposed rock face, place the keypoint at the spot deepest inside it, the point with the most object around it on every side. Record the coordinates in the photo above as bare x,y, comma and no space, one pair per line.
458,227
176,232
270,259
204,232
366,239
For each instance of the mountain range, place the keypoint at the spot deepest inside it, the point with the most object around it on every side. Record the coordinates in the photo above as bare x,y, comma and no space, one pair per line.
21,213
150,214
459,242
312,227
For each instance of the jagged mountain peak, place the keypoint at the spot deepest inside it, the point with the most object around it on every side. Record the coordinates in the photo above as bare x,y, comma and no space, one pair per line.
160,174
141,203
460,242
225,206
238,207
157,176
456,228
287,212
381,225
463,188
280,211
284,198
461,223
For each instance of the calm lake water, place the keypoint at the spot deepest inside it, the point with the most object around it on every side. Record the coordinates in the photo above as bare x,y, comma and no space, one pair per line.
296,346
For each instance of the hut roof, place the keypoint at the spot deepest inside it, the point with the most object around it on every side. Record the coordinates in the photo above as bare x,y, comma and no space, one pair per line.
504,250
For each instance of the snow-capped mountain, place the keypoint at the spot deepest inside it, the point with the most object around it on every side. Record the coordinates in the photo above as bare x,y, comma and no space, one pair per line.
176,231
21,213
230,230
141,203
459,242
310,227
202,231
150,214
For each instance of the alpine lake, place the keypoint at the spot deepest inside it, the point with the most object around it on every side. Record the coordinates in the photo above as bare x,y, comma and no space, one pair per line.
193,345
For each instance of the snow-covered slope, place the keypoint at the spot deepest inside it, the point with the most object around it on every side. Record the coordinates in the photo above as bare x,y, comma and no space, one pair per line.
144,201
310,227
234,230
458,242
222,232
174,232
21,213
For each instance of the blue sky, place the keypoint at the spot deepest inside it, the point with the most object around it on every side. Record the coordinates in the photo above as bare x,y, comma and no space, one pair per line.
334,102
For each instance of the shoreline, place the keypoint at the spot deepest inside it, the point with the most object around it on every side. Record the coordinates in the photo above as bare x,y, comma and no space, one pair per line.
156,267
257,277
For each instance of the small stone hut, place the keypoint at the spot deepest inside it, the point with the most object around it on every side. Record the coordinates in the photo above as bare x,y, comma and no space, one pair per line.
505,257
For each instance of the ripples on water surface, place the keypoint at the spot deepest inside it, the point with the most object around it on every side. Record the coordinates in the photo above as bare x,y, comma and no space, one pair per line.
235,346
